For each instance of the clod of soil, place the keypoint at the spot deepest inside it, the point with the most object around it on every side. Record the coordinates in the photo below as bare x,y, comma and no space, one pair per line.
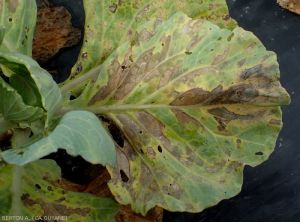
54,31
292,5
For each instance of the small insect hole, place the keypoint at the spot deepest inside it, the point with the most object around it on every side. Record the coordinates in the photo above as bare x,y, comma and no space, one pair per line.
25,196
159,149
49,188
113,8
72,97
259,153
37,186
116,134
84,55
31,134
10,19
188,53
124,177
78,69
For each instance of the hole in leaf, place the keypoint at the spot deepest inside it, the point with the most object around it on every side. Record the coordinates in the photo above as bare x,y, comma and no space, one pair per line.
159,149
124,177
84,55
141,132
188,53
142,151
116,134
113,8
4,77
259,153
5,140
31,134
78,69
25,196
84,173
49,188
37,186
72,97
10,19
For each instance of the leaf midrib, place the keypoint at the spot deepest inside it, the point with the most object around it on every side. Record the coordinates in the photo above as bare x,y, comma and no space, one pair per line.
103,109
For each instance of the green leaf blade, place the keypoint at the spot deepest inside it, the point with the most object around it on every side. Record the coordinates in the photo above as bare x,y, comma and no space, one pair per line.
43,89
18,18
79,133
13,108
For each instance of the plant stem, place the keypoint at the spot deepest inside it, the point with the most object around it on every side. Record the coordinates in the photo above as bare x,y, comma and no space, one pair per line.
90,74
119,108
16,191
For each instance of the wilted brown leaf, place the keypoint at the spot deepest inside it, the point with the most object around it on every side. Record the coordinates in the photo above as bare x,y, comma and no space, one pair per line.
99,187
54,31
127,215
292,5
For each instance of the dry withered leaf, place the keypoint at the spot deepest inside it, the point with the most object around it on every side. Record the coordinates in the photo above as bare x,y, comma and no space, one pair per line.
292,5
99,187
127,215
54,31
